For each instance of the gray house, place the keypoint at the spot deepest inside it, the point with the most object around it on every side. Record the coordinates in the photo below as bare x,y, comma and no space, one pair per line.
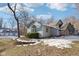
42,29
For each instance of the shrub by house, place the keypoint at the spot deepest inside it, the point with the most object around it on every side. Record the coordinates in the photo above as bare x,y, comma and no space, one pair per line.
33,35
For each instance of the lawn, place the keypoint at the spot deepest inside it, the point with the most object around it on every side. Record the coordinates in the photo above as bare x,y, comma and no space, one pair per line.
37,50
5,44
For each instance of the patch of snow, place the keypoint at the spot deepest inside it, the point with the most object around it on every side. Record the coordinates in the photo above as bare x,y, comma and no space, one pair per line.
59,43
20,40
18,45
25,45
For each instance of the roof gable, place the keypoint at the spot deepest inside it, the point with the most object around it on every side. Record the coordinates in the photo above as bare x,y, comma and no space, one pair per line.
65,26
34,22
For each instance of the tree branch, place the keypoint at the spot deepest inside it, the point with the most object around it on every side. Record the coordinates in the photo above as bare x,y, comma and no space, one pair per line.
10,8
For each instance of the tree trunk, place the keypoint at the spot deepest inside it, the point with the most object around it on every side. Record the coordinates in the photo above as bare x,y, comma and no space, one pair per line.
17,25
18,29
17,20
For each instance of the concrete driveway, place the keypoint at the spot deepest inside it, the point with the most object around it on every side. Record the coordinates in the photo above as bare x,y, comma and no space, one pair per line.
73,38
8,37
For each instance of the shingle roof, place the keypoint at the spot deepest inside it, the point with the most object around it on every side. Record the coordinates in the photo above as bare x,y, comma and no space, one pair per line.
32,22
49,25
64,26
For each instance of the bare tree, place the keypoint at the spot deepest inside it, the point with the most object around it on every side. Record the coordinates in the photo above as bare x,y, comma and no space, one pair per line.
77,5
12,23
23,19
71,28
5,25
23,16
16,18
50,20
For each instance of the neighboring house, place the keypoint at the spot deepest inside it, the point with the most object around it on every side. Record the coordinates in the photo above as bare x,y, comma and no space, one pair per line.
42,29
64,30
68,29
7,32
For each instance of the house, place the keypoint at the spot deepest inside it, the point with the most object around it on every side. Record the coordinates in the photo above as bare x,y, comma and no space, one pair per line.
43,29
7,32
68,29
64,30
52,29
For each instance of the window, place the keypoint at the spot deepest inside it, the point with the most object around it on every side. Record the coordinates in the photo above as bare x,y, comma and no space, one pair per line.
46,29
33,28
39,28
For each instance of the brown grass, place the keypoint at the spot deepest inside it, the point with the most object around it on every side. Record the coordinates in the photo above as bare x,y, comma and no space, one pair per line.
42,50
4,44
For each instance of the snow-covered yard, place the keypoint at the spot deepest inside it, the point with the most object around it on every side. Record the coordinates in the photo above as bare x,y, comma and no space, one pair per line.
60,42
51,46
